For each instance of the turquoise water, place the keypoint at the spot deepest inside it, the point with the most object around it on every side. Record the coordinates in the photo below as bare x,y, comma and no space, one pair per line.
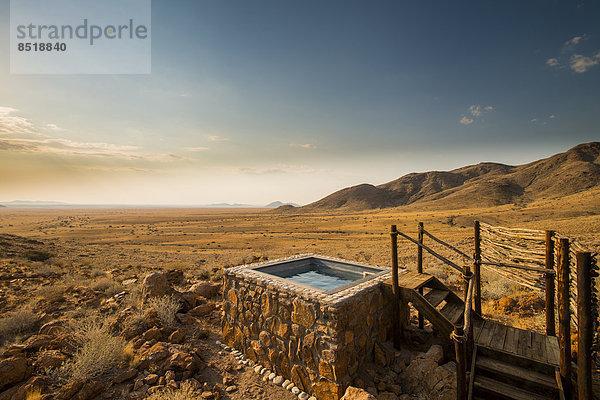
321,280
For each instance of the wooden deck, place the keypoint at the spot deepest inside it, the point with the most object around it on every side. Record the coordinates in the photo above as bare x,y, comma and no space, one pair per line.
517,342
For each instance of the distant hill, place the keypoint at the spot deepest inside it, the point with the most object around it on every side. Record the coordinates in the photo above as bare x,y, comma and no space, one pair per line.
27,203
484,184
276,204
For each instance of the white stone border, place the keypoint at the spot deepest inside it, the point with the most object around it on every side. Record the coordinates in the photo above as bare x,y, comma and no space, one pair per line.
267,375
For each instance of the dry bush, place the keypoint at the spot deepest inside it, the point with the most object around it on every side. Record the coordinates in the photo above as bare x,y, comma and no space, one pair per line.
185,392
98,352
107,285
53,293
17,323
166,307
135,297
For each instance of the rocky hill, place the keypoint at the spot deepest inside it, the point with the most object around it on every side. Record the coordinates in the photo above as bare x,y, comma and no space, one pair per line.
484,184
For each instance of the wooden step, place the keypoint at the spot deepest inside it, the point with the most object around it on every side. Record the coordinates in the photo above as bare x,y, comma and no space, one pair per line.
453,312
488,388
509,373
436,296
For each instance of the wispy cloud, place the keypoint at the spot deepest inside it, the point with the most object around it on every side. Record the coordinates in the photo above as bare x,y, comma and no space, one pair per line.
14,124
303,145
466,120
580,63
18,134
533,120
476,111
552,116
217,139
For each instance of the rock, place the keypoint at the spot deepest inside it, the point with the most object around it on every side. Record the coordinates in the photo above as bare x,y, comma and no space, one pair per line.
327,390
353,393
303,314
13,370
435,353
89,390
177,337
300,378
36,342
14,350
505,304
231,389
295,390
158,352
128,282
185,319
208,395
52,328
205,289
303,396
174,277
396,389
156,284
151,379
152,333
278,380
125,376
69,390
50,359
65,343
202,310
180,361
35,383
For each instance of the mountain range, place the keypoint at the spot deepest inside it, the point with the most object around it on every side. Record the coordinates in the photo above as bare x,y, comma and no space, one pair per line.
484,184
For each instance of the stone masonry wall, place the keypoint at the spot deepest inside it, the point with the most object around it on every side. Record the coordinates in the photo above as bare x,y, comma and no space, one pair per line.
316,340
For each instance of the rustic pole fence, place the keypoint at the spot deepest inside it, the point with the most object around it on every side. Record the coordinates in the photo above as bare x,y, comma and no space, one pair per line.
396,326
461,363
585,325
550,289
564,320
477,267
420,267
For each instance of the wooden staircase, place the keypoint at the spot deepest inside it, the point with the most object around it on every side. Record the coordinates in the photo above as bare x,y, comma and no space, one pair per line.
497,375
507,363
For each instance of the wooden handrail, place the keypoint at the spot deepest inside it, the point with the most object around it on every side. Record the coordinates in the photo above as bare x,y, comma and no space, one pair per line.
432,252
448,246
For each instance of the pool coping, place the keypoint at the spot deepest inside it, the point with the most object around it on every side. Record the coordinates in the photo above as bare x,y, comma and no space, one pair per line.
334,297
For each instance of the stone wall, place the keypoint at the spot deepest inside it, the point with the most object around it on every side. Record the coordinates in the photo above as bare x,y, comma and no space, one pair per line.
315,339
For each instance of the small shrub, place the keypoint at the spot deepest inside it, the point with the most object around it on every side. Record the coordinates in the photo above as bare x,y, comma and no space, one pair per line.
99,351
217,276
166,307
38,255
102,284
17,323
53,293
113,289
185,392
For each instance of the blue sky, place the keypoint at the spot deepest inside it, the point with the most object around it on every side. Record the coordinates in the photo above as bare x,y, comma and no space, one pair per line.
256,101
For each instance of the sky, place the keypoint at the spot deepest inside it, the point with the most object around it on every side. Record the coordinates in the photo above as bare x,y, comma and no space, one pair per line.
257,101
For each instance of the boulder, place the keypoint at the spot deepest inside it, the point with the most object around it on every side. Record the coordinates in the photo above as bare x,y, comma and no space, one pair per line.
435,353
205,289
35,383
177,337
89,390
152,333
36,342
202,310
125,376
353,393
156,284
13,370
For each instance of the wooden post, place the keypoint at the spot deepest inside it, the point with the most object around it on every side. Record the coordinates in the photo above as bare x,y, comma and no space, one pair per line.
461,364
397,330
466,277
564,320
477,268
420,268
550,290
584,318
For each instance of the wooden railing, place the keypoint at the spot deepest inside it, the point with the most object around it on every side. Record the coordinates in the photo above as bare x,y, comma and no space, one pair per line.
578,301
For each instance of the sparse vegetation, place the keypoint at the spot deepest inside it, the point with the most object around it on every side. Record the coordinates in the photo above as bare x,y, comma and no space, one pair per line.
185,392
98,351
17,323
166,307
38,255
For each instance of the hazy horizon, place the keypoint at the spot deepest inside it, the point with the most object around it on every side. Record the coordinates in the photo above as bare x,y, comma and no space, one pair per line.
255,102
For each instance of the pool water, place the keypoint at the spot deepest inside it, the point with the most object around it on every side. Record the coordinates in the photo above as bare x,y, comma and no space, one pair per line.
321,279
